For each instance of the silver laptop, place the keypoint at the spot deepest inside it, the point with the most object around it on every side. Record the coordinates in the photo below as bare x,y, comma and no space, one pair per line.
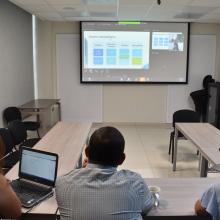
37,176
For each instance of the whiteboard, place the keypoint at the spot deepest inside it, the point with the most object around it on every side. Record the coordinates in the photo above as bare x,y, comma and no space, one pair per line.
78,102
201,62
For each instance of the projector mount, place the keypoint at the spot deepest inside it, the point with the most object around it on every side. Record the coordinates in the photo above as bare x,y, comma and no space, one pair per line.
158,2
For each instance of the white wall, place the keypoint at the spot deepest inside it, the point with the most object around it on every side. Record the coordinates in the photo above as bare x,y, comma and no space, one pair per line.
128,103
78,102
16,65
134,103
202,53
46,54
44,59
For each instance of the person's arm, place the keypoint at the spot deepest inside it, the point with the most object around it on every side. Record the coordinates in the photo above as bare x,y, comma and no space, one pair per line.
10,205
148,203
147,198
199,209
208,204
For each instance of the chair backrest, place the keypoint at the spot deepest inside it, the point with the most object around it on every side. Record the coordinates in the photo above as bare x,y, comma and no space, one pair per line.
185,115
7,140
18,131
2,148
11,114
200,99
206,80
2,153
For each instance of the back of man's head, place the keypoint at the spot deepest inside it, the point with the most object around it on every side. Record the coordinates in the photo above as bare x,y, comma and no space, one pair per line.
106,147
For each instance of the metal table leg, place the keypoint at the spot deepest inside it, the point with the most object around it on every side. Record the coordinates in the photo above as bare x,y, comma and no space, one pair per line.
175,149
59,110
203,167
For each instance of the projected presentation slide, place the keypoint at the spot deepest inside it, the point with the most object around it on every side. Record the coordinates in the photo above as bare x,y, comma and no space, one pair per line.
134,52
167,41
116,50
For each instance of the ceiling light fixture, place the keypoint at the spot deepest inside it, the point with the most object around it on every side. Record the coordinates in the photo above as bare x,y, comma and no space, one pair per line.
158,2
68,8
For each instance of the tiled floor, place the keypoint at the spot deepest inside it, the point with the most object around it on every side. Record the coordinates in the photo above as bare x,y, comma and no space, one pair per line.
147,152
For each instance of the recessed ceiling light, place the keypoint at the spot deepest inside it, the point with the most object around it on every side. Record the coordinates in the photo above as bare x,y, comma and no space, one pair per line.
103,2
68,8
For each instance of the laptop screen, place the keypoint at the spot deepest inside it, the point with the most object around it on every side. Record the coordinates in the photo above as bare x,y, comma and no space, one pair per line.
38,166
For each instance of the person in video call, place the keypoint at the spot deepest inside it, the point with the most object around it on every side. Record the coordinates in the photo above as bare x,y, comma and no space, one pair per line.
209,204
98,191
10,205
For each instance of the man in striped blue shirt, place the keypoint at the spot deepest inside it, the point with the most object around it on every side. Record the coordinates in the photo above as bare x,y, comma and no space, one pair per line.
209,204
99,191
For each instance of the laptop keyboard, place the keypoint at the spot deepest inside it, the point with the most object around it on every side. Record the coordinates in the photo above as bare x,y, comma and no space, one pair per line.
27,192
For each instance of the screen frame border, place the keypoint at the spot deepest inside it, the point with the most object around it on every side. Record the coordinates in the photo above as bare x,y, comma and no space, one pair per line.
32,177
133,82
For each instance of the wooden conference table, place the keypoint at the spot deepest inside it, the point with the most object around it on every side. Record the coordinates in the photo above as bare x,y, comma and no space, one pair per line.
177,196
205,137
39,107
67,140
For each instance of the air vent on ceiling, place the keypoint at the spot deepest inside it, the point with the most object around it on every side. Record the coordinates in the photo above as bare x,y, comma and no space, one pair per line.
188,15
71,13
194,12
102,14
100,2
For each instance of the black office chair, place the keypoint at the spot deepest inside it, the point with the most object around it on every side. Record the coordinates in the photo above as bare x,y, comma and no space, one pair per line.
13,113
200,98
10,155
184,115
19,134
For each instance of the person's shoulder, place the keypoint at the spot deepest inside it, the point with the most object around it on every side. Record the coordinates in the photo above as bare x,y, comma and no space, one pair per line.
65,179
215,187
216,184
130,174
211,191
133,181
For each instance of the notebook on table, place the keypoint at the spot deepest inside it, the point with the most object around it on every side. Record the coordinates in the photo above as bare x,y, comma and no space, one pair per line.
37,176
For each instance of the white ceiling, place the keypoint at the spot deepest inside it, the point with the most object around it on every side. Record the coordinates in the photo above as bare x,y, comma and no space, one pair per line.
143,10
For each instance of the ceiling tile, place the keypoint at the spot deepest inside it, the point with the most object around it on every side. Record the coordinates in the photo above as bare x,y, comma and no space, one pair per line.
216,10
49,15
80,18
215,18
168,10
102,8
63,2
30,2
158,15
206,3
176,2
198,9
135,2
129,11
194,12
68,7
71,14
40,8
100,2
